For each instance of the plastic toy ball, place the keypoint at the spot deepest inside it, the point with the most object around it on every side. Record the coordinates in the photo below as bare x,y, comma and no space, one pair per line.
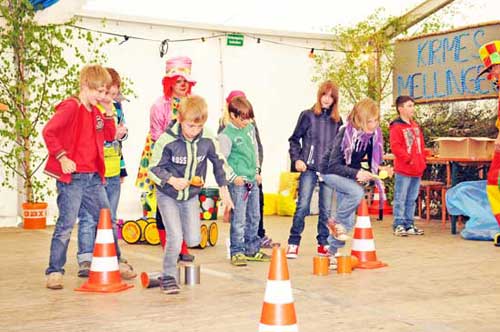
383,175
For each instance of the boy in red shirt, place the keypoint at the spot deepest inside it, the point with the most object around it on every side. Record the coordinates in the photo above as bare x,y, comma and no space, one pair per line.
407,145
74,137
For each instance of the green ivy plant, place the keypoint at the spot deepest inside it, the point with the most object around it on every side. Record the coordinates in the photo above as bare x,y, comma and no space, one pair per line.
351,68
39,66
362,45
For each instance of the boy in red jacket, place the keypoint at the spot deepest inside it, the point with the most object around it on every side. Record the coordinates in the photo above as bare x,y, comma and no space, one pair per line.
407,145
74,137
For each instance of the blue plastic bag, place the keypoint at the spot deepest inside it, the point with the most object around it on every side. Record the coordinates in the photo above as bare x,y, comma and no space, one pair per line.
42,4
469,199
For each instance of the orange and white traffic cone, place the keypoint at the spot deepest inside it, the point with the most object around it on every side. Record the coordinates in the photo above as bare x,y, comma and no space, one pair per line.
104,276
278,309
375,207
363,245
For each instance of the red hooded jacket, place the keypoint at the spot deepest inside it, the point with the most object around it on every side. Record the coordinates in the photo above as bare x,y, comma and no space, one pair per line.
61,136
407,145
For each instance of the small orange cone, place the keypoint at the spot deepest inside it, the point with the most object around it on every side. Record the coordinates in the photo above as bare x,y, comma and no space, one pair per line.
375,207
363,245
104,276
227,215
278,310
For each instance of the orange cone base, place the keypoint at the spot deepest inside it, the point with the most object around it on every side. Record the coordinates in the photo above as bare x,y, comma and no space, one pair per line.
371,265
367,260
104,282
86,287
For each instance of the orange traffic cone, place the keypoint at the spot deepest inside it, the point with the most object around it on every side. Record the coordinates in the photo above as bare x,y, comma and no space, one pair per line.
363,245
375,207
104,276
278,310
227,215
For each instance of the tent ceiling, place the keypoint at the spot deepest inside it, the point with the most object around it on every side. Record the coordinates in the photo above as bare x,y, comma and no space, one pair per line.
288,15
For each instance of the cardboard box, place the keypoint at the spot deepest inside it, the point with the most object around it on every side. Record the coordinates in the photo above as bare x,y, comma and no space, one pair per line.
481,147
465,147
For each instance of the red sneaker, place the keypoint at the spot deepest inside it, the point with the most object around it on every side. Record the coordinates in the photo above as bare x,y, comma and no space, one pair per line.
292,251
323,250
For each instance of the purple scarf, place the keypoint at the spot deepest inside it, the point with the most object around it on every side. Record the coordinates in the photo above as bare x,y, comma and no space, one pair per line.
358,140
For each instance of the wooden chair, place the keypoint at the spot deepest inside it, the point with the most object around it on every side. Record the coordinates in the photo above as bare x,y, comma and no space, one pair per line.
425,188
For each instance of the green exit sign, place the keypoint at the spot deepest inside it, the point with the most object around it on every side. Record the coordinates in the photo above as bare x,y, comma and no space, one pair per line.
234,39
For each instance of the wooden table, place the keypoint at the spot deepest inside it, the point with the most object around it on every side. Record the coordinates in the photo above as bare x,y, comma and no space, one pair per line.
451,161
448,162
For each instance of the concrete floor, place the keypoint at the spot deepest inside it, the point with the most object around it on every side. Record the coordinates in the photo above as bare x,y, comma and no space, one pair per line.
436,282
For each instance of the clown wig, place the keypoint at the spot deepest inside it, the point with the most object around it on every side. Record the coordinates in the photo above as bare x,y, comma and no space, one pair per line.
168,84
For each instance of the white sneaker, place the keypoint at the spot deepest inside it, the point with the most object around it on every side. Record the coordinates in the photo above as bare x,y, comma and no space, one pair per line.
340,233
412,230
292,251
333,262
400,231
337,231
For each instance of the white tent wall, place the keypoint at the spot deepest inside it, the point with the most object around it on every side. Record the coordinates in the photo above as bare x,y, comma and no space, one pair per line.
276,79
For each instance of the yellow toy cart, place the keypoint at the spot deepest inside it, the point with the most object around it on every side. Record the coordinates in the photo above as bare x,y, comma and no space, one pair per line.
140,230
144,230
209,203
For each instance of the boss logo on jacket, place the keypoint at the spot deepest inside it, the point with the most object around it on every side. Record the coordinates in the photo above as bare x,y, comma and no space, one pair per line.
183,160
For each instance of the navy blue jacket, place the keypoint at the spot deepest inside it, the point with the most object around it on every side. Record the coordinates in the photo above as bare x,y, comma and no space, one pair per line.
173,155
334,162
312,137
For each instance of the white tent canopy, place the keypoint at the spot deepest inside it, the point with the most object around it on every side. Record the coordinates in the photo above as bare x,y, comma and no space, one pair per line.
286,15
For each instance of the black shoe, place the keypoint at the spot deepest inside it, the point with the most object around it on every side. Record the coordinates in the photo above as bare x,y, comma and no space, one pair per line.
168,285
84,270
186,258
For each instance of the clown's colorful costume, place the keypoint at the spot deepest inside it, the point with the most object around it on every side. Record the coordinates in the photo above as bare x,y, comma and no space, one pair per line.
163,111
490,55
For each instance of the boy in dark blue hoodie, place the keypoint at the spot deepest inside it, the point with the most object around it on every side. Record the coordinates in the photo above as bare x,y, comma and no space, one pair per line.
180,154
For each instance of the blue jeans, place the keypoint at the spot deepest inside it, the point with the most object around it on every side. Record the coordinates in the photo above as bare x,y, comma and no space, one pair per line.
307,183
182,222
245,219
85,190
405,194
349,195
87,233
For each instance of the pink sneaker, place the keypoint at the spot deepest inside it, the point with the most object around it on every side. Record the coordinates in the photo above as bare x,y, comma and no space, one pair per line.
292,251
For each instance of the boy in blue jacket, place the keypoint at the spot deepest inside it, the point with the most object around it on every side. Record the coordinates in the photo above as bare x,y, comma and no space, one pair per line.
180,154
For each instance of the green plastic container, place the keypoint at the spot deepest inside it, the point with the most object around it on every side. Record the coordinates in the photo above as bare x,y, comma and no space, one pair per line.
208,199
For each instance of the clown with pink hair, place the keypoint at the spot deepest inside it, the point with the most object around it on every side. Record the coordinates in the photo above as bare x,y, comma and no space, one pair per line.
177,84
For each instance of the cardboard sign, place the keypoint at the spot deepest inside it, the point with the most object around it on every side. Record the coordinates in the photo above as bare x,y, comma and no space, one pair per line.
444,66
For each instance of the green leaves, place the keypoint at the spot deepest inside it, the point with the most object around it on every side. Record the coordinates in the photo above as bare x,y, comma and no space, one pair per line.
362,67
350,69
39,66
